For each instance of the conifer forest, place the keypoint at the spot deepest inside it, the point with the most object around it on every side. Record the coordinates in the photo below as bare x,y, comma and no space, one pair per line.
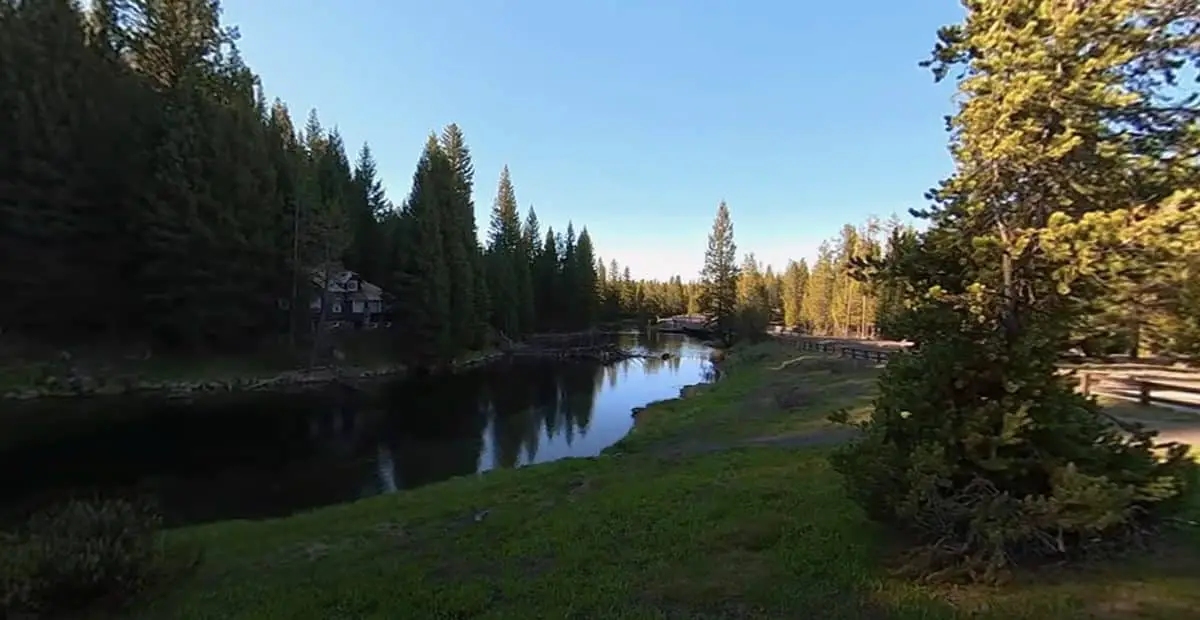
151,192
154,198
186,210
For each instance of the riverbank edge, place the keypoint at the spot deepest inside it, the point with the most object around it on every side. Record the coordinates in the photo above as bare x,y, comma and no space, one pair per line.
94,386
745,495
296,379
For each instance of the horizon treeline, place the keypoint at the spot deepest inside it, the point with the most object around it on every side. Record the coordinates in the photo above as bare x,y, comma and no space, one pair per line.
826,298
840,294
150,193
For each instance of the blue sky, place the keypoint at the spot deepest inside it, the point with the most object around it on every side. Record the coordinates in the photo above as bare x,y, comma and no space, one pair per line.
633,117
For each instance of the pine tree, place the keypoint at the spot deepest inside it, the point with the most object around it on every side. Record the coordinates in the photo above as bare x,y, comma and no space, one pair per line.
455,255
545,282
423,286
795,281
719,277
977,442
753,302
568,276
531,246
585,280
774,285
817,305
365,207
469,298
505,260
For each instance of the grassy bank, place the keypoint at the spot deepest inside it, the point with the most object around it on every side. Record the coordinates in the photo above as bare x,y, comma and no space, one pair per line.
720,505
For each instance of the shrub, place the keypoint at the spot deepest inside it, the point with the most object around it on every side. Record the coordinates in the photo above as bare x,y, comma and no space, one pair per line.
78,553
991,460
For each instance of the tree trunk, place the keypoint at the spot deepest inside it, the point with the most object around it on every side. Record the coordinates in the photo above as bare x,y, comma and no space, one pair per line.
322,327
294,310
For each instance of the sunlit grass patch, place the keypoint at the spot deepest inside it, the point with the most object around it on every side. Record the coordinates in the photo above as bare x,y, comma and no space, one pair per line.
769,389
722,535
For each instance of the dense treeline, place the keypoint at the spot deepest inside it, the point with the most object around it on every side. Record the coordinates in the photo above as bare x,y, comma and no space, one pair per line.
839,295
623,297
831,298
149,193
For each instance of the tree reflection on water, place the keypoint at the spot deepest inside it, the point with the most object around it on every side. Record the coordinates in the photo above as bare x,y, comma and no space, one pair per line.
268,455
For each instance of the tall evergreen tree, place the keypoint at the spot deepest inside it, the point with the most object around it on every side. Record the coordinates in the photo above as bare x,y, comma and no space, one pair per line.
469,298
546,282
506,264
365,207
795,279
977,442
753,299
531,246
422,285
817,306
719,277
585,280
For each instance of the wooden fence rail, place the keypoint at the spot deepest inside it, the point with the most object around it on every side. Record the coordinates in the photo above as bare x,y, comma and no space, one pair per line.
1141,390
1091,381
855,353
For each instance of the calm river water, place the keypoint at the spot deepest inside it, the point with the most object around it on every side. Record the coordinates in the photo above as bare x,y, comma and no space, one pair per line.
266,455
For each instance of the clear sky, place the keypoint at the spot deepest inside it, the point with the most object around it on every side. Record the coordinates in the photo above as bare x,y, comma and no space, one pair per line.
633,117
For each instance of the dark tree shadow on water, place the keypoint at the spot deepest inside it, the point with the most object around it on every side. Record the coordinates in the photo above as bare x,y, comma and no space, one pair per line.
434,429
220,458
579,389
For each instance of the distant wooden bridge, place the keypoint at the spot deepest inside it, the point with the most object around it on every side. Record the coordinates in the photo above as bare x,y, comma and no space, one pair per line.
691,324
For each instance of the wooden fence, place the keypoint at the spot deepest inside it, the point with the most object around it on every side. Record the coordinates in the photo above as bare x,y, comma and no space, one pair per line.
855,353
1092,381
1139,389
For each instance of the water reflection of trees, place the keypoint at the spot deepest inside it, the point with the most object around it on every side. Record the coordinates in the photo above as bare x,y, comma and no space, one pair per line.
438,426
242,456
532,401
434,432
269,455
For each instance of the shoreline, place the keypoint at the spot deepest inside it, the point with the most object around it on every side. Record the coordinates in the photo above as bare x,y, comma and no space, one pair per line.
87,387
84,386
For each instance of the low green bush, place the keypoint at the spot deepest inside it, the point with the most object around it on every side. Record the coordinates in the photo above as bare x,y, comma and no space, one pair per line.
991,467
77,554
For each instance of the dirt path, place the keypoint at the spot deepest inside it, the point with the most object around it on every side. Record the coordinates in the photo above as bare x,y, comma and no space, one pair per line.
1189,434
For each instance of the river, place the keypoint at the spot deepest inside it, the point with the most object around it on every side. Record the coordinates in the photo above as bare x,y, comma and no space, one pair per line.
257,456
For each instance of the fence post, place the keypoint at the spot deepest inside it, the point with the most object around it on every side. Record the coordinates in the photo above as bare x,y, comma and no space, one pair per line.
1085,384
1144,392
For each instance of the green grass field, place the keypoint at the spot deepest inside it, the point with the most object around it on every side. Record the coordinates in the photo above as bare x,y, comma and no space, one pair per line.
720,505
